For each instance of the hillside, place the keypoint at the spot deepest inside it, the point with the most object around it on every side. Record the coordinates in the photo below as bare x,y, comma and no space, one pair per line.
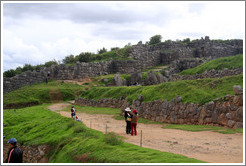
73,142
216,64
195,91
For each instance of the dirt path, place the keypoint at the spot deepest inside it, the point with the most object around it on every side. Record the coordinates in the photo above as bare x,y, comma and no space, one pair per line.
206,146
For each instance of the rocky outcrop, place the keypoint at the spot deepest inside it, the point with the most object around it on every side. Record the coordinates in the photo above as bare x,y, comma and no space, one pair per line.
226,111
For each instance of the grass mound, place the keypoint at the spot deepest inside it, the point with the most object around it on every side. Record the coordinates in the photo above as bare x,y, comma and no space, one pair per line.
217,64
72,142
39,93
195,91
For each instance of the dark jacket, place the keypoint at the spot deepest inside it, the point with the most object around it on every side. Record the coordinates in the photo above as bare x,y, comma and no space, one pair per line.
127,116
15,155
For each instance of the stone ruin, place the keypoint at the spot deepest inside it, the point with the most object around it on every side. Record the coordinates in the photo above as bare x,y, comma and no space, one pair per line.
144,56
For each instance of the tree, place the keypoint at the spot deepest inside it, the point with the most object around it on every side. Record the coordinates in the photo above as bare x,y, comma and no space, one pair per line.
115,48
155,39
49,63
69,59
85,57
9,73
27,67
103,50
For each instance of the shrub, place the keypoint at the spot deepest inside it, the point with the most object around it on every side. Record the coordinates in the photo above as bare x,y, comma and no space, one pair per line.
155,39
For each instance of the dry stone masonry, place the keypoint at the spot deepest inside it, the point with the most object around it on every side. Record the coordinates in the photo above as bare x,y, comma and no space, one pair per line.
226,111
144,56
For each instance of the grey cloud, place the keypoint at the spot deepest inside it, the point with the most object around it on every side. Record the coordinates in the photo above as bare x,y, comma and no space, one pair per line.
81,13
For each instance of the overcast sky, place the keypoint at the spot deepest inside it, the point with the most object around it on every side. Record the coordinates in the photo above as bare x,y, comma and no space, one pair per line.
34,33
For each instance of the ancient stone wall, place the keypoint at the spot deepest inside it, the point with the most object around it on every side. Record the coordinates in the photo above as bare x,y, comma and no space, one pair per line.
226,111
207,74
145,56
23,79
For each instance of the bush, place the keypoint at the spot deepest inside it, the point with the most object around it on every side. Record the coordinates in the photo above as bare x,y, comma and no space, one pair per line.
112,139
155,39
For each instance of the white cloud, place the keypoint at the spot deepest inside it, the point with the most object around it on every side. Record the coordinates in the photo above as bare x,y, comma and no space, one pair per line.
34,33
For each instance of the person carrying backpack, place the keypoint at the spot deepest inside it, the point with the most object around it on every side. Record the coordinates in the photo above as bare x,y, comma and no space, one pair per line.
128,117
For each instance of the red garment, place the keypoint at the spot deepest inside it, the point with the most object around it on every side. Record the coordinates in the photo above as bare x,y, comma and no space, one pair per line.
72,110
133,128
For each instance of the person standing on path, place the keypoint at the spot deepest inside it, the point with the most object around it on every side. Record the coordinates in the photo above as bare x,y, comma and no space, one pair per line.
128,117
73,112
15,155
134,122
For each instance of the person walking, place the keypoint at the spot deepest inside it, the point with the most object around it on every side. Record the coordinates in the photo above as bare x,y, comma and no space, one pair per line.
128,117
15,155
73,112
134,122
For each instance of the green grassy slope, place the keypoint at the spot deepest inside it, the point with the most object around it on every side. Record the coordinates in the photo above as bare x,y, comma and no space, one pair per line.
196,91
39,93
217,64
71,141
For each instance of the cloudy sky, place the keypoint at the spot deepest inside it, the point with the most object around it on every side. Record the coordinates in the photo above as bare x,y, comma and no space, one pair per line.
34,33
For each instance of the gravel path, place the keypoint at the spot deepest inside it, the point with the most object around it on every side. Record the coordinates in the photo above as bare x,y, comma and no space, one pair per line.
206,145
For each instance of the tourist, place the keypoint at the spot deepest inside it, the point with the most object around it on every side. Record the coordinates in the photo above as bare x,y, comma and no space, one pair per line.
73,112
15,155
77,118
134,122
128,116
48,74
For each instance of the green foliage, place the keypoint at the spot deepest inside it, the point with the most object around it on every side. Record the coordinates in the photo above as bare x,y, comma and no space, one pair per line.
187,40
9,73
155,39
85,56
69,59
50,63
217,64
196,91
76,144
102,50
196,128
112,139
27,67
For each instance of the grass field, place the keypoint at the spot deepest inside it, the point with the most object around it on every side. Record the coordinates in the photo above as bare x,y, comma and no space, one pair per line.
71,140
39,93
217,64
195,91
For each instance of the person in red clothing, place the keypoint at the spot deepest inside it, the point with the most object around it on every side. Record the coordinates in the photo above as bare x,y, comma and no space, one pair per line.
73,112
134,122
15,155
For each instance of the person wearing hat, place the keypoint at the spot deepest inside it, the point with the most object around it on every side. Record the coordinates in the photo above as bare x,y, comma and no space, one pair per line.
15,155
73,112
128,117
134,122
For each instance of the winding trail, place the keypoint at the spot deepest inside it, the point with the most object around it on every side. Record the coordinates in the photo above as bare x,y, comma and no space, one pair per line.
206,145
